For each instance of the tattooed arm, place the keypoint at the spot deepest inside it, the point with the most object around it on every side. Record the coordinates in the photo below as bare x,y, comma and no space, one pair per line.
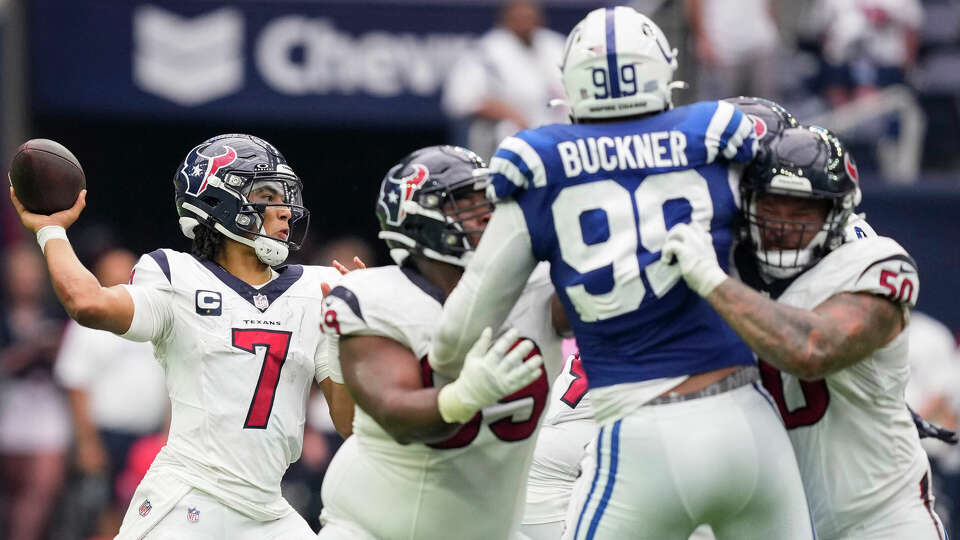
810,344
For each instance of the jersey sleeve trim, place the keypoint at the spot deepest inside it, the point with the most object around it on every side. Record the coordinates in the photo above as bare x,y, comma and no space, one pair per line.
349,298
718,125
730,134
741,146
903,258
514,167
529,158
160,257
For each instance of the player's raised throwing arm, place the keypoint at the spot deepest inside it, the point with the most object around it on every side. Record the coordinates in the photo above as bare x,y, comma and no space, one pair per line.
384,378
93,306
490,286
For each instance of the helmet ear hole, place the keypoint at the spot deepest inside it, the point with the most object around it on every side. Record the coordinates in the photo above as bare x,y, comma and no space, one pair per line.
212,202
187,226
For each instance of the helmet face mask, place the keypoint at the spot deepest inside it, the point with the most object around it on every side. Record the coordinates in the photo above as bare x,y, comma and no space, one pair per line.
809,166
466,210
281,196
786,244
231,183
432,204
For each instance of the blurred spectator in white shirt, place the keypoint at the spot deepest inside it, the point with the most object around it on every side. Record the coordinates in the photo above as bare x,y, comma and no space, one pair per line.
736,44
34,418
866,44
506,83
934,393
116,390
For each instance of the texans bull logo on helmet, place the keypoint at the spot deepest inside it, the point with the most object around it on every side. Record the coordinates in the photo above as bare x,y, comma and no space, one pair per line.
397,191
198,168
851,168
759,126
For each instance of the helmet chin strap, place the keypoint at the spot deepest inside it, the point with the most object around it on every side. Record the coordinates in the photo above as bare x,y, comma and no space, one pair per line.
270,251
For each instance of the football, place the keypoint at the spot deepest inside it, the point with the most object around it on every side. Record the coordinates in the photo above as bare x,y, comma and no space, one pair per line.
46,176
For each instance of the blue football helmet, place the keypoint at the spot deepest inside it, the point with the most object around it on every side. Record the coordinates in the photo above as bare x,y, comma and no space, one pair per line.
806,162
213,185
421,208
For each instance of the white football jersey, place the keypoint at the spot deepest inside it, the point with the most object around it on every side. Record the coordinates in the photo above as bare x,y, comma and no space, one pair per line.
569,400
854,439
469,486
568,427
239,361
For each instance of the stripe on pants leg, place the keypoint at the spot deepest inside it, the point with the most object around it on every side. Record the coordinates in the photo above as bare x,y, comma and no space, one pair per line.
593,484
611,477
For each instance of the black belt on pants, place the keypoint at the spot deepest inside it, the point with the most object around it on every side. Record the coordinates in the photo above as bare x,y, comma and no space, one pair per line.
741,377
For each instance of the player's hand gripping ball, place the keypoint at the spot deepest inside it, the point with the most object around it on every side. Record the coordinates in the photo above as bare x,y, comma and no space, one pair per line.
46,176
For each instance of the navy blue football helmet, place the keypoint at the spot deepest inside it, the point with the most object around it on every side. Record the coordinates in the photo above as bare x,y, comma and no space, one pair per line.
807,162
214,183
421,208
769,118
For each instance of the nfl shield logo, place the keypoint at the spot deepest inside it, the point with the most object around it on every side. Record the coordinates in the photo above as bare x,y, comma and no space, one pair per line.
193,515
261,302
145,508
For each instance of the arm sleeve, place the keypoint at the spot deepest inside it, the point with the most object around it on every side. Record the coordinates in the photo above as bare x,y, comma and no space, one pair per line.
152,296
332,360
490,286
326,350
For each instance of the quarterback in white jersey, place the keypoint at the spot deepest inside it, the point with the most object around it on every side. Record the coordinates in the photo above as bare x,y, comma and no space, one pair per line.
411,471
830,336
238,339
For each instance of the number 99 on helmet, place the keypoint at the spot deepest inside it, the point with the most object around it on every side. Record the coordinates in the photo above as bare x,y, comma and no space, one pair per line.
617,63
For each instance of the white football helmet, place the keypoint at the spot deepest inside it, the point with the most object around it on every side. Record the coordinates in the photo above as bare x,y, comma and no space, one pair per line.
617,62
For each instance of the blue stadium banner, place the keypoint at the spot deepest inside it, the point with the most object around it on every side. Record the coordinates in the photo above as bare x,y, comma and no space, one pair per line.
319,62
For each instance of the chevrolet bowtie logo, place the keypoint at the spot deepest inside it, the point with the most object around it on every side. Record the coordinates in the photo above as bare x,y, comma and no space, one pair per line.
188,61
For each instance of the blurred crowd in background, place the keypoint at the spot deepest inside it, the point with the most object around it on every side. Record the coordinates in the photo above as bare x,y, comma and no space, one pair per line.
82,413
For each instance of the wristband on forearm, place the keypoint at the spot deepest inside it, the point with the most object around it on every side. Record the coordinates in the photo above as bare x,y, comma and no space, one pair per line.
49,232
452,408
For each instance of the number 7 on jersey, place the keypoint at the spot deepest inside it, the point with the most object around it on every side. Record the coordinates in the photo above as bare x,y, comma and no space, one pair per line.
276,343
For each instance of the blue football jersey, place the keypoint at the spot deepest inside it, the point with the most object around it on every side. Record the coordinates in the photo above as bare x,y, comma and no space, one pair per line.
599,199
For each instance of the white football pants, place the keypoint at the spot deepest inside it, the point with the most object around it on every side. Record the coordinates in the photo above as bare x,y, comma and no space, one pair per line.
662,470
164,508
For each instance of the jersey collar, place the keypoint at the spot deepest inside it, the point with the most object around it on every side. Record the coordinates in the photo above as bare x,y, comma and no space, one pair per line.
289,274
423,283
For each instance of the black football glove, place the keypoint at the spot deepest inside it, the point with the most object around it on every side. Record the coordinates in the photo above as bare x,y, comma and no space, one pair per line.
929,429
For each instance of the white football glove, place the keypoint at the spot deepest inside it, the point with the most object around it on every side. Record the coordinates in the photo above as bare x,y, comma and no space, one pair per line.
693,248
489,373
